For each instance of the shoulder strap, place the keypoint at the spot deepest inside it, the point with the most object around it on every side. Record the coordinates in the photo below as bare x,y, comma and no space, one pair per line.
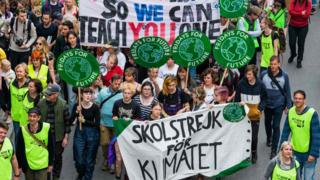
278,85
29,29
109,97
12,23
35,138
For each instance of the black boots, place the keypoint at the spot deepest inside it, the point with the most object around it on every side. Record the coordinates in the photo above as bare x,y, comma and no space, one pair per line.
291,58
273,153
299,65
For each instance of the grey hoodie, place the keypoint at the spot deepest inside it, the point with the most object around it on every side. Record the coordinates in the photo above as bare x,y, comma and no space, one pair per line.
272,165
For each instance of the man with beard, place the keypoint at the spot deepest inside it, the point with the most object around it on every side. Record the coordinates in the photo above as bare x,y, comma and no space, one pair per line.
47,29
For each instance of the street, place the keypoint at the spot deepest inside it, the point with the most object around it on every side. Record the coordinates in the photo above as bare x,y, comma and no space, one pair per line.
307,78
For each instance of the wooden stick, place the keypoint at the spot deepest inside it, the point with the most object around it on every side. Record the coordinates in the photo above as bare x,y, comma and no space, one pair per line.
79,102
224,74
187,78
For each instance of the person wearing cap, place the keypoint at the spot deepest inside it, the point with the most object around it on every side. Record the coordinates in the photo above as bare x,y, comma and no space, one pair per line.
250,24
113,48
55,111
35,147
8,159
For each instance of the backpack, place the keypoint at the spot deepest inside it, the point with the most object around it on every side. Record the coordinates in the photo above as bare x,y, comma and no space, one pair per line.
282,39
13,22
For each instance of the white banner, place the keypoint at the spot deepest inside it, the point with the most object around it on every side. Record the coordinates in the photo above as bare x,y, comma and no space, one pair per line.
201,142
128,20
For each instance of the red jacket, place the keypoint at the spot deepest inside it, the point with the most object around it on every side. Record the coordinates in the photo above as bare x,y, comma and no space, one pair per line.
113,71
295,11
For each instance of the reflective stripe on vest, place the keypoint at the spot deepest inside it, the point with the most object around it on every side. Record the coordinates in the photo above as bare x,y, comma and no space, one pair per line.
17,95
37,156
267,50
6,154
280,174
300,126
42,74
279,18
26,105
246,26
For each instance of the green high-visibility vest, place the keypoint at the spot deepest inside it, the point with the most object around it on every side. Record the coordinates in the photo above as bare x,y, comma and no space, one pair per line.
17,95
267,50
279,18
280,174
6,154
26,105
300,126
247,26
37,156
42,74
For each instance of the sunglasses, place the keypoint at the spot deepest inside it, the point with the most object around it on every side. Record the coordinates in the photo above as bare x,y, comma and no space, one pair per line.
38,43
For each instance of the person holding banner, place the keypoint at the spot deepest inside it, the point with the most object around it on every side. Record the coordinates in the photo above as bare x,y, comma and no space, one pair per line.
182,77
173,100
302,123
86,139
156,112
284,165
252,92
198,96
128,109
251,25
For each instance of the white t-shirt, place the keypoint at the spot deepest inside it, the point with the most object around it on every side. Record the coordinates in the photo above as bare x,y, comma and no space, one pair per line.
121,59
159,82
209,95
165,71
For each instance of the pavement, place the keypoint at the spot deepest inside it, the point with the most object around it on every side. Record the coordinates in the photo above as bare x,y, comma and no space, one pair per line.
306,78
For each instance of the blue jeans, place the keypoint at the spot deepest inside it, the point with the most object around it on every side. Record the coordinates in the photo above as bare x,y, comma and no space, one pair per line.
307,169
16,129
85,148
272,125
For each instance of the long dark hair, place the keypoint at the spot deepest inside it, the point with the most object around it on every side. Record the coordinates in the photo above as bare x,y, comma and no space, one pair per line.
147,83
190,80
38,85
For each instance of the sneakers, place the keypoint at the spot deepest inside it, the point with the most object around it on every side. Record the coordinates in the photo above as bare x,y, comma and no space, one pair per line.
111,170
273,154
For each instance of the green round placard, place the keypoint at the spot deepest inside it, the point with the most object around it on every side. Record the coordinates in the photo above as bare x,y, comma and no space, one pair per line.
150,51
78,67
234,112
233,8
191,48
233,49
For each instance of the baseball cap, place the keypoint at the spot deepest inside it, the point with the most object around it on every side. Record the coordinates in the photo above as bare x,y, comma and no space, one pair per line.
34,110
112,44
52,88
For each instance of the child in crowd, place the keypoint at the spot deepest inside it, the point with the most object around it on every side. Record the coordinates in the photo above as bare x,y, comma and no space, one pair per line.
6,72
130,75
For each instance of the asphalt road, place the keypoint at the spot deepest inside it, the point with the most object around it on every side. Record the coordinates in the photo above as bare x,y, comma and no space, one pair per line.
306,78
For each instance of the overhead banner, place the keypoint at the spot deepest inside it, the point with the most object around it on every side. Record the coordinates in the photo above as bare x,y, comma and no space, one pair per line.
211,142
128,20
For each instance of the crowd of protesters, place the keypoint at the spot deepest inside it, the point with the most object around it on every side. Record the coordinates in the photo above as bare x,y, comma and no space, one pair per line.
43,108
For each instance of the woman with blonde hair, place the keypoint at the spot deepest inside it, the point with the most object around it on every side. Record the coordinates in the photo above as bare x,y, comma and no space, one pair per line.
173,100
283,166
18,89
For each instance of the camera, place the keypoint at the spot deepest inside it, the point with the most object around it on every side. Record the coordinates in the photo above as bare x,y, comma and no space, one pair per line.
19,42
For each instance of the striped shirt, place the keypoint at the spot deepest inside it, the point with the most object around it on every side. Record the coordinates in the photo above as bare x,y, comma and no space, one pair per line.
145,110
